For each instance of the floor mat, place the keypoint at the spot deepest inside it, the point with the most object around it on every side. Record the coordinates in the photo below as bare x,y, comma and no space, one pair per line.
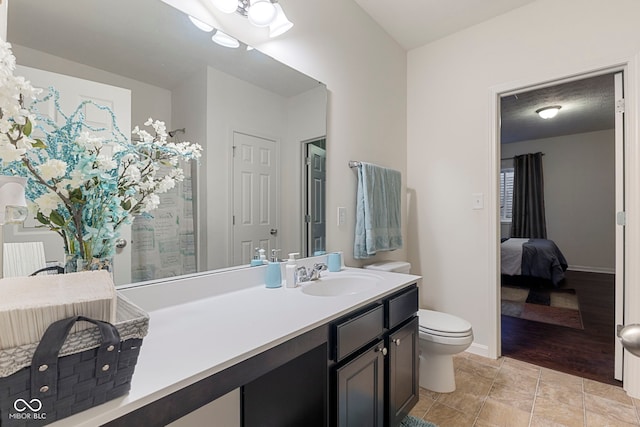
554,306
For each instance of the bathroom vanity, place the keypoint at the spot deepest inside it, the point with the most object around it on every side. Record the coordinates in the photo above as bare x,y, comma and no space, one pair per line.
292,357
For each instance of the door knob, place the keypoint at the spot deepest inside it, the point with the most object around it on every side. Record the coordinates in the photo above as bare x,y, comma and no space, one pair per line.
273,231
121,243
396,341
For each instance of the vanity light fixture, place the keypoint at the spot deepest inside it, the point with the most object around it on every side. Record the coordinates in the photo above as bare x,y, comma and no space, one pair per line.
261,13
548,112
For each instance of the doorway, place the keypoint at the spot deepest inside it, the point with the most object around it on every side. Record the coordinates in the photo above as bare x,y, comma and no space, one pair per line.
584,190
314,197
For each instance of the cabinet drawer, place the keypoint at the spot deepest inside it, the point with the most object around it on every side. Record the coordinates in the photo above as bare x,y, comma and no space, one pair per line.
354,333
401,307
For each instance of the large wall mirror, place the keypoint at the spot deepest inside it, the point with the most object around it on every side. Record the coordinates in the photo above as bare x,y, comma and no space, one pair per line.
254,116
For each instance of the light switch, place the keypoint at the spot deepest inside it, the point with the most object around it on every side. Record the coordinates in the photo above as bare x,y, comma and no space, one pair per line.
478,201
342,216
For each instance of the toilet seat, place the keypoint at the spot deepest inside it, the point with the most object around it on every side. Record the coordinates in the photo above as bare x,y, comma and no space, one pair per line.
443,325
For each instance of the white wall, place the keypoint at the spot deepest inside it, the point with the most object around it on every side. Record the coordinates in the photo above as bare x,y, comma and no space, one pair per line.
579,191
450,135
146,100
335,42
306,120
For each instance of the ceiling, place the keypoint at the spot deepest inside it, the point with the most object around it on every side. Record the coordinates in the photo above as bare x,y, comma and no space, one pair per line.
587,105
109,36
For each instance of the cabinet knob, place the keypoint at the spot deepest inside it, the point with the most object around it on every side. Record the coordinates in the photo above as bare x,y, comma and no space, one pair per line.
396,341
382,350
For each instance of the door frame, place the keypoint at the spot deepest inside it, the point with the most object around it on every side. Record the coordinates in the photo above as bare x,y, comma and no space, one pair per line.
629,67
306,203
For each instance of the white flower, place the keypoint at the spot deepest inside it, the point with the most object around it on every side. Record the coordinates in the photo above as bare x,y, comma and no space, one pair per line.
106,163
150,203
165,184
47,203
9,153
52,169
90,142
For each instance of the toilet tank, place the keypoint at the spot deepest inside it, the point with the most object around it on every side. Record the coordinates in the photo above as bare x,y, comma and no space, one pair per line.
393,266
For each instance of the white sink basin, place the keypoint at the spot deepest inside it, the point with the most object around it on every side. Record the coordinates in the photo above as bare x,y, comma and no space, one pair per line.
341,283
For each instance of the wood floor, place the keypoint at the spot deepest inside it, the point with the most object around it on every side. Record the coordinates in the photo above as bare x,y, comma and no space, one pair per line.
588,353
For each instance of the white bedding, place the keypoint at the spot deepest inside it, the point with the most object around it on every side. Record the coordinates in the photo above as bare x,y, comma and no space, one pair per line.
511,256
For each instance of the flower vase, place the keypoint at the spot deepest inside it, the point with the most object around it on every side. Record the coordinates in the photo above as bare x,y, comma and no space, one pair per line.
74,263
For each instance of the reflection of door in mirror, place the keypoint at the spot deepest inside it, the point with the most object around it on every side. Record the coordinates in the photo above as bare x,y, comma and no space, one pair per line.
73,92
255,196
315,195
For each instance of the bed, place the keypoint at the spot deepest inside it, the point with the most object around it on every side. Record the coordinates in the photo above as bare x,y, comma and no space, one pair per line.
539,258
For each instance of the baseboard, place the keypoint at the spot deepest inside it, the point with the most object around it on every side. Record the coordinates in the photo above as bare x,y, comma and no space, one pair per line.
582,268
478,350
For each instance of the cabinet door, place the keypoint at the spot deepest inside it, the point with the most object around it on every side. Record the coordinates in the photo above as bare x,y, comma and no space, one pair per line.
403,372
361,390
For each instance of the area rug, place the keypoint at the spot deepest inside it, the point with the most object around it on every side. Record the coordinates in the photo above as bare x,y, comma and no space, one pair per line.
411,421
554,306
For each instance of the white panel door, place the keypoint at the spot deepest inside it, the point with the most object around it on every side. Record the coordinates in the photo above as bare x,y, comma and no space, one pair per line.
72,92
620,228
255,196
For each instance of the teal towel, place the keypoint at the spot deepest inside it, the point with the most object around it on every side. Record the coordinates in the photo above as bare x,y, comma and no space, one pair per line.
378,213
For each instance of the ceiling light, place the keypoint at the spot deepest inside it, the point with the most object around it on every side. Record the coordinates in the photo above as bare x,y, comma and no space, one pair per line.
201,25
261,13
280,24
226,6
548,112
225,40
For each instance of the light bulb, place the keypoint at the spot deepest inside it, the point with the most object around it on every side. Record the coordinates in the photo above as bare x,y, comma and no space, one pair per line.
225,40
226,6
201,25
261,13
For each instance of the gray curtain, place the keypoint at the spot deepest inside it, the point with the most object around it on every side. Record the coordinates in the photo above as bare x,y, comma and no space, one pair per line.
528,219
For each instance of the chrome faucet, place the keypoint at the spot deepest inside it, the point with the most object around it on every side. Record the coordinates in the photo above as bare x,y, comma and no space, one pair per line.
307,275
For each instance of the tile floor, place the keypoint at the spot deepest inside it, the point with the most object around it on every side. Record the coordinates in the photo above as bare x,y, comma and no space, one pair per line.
510,393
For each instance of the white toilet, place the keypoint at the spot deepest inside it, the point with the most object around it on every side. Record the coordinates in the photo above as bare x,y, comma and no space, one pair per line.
441,336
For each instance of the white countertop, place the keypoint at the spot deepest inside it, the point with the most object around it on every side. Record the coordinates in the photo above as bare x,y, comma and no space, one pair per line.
206,323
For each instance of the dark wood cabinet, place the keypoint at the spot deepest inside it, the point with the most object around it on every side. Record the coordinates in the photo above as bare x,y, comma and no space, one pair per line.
360,389
402,359
375,382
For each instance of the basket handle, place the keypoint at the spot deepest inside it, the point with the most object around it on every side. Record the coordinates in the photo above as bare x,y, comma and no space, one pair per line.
44,365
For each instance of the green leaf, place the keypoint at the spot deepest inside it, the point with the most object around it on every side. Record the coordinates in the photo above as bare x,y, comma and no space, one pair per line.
56,218
26,129
126,205
39,144
43,219
76,196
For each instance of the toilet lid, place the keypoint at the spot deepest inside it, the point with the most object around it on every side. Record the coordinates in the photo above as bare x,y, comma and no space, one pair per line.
442,323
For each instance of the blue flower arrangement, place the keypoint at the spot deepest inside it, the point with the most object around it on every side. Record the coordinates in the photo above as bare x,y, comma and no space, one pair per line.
84,185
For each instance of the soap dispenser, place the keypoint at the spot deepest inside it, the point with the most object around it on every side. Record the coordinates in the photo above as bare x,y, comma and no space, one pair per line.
256,258
291,276
263,257
274,274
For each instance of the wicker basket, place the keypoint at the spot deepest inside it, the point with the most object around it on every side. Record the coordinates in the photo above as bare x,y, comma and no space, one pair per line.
68,373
